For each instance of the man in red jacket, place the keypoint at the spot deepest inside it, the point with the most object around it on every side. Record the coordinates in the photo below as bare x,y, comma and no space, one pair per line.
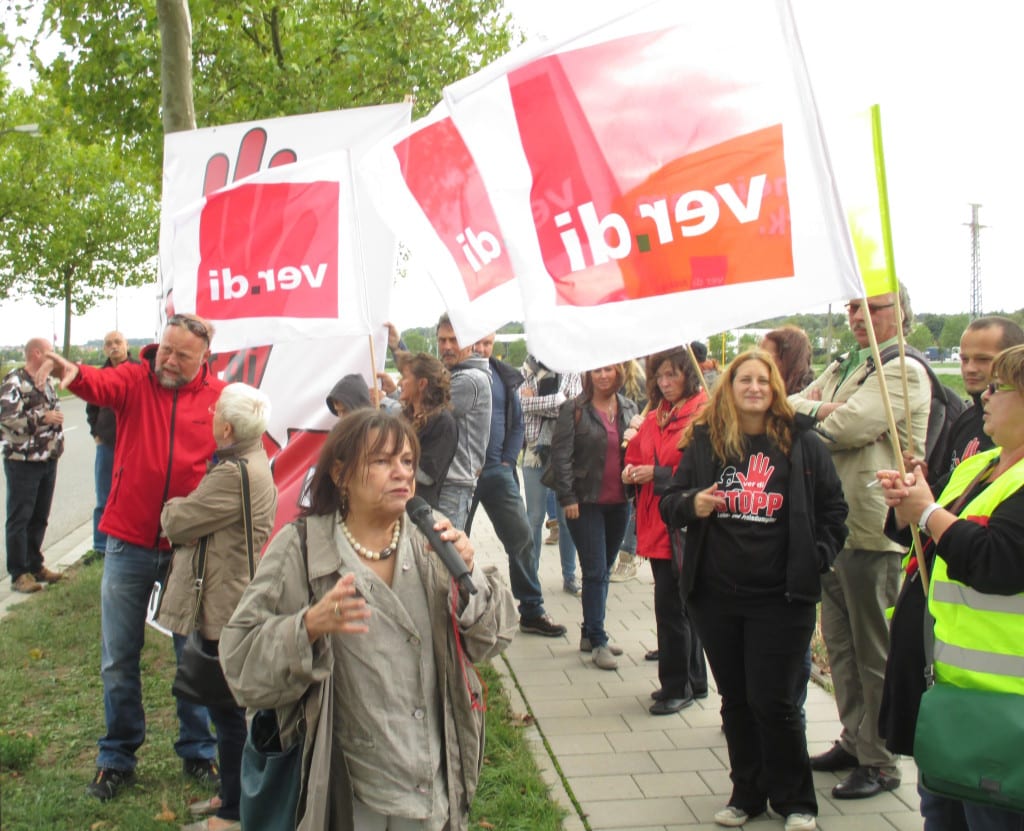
164,439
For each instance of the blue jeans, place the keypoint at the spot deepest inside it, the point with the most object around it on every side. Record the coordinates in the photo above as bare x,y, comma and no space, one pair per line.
103,470
628,543
129,572
29,496
990,818
597,534
941,813
498,492
453,501
538,505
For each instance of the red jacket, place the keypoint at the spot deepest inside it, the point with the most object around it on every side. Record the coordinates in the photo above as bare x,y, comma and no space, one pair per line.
657,446
164,440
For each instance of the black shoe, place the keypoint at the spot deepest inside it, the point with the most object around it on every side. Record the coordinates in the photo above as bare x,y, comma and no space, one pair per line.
108,782
542,625
865,781
204,771
652,655
701,693
833,759
667,706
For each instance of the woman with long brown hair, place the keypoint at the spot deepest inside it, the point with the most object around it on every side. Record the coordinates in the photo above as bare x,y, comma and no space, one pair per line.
585,473
764,512
790,348
426,403
676,396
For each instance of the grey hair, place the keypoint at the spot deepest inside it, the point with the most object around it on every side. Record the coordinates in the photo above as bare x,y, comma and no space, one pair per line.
246,409
908,312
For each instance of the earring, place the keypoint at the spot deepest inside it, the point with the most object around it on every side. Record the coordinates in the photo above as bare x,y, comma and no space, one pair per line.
343,502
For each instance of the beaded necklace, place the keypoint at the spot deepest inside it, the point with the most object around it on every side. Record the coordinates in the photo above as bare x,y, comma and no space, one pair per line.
365,552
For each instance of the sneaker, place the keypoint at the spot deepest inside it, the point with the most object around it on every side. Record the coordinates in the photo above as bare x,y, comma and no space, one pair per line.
731,817
586,647
625,568
604,658
26,584
204,771
541,625
108,782
44,575
801,822
573,587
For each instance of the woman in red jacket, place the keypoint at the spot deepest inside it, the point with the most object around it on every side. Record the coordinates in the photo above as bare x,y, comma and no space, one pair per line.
676,396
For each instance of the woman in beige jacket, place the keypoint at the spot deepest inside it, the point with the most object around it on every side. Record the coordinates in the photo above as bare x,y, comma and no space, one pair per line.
350,605
214,510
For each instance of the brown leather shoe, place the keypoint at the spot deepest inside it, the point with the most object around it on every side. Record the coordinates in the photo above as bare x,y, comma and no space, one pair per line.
26,584
44,575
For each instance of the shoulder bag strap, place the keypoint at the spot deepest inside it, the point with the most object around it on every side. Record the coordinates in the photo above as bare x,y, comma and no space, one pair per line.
197,586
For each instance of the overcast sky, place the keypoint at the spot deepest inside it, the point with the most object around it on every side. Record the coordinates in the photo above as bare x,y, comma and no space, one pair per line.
938,70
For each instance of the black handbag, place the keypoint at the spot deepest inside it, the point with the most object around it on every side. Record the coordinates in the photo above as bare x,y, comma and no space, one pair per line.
199,677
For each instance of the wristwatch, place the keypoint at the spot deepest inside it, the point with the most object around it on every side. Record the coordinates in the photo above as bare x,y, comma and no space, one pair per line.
926,514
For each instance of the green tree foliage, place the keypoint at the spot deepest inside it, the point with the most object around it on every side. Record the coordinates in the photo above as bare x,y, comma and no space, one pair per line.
257,60
952,328
921,337
78,224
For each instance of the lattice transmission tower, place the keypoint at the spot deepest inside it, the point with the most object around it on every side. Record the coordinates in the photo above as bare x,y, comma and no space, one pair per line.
975,226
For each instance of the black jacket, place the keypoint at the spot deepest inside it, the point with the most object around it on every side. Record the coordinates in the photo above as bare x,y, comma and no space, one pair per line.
102,422
817,509
578,449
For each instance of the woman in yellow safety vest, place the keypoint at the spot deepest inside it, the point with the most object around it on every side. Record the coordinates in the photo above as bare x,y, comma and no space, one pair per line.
977,584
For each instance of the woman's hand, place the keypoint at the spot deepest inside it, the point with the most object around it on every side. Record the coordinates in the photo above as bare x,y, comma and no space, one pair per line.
342,609
908,497
571,511
637,474
636,422
458,539
707,502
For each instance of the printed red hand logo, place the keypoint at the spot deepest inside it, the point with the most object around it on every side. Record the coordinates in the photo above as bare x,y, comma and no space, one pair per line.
759,471
266,250
973,446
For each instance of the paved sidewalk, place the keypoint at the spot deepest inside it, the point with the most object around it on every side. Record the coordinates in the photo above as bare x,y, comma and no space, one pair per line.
615,766
608,761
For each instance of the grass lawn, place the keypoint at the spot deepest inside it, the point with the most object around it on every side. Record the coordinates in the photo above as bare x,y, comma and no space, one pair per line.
51,709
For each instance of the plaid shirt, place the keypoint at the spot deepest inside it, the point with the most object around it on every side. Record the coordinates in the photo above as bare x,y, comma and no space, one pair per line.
537,408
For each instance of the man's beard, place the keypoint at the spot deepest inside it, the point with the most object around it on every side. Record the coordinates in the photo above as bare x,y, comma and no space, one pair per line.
169,382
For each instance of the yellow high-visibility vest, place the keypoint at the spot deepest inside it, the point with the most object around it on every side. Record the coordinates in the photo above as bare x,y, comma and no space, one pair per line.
979,637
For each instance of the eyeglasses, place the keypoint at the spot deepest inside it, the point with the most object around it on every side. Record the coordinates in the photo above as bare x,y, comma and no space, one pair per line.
853,308
193,325
995,387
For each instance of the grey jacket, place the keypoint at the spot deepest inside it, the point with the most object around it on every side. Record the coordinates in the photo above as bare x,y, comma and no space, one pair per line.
471,406
215,507
269,662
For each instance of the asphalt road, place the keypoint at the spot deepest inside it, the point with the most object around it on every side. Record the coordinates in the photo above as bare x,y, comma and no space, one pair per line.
75,496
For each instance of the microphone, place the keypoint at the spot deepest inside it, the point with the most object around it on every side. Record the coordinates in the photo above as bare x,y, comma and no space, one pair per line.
422,516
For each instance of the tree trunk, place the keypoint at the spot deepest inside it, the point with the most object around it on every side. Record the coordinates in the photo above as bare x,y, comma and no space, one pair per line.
176,65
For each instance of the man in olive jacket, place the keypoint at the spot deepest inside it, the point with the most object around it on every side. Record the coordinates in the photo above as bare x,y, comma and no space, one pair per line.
847,402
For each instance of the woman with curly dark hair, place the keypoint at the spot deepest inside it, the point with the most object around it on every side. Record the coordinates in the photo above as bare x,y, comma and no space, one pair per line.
426,403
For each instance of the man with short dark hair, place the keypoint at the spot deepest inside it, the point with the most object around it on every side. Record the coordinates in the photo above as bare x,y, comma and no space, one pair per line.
471,406
167,402
32,437
103,427
497,490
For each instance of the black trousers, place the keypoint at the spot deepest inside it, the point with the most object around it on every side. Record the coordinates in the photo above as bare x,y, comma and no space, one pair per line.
756,647
681,667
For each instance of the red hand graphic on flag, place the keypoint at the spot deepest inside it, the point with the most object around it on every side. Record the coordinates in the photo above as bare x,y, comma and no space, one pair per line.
972,447
759,471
